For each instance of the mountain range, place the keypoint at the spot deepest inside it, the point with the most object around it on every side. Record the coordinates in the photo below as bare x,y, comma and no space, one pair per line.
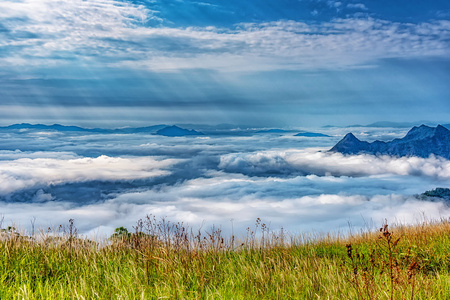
420,141
164,130
160,129
25,127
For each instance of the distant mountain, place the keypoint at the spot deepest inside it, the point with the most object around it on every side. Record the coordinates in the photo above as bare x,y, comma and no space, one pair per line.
272,131
54,127
177,131
420,141
62,128
187,129
311,134
219,127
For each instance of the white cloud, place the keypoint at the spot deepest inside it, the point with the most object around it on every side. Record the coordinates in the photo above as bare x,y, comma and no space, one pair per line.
334,4
298,203
26,173
61,26
357,6
115,32
220,178
17,154
327,212
321,162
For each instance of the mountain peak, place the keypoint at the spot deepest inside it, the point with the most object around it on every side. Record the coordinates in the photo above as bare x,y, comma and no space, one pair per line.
420,141
350,137
350,144
421,132
442,128
176,131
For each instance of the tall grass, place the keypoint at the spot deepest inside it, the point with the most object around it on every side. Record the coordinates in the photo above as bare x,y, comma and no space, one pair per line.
165,260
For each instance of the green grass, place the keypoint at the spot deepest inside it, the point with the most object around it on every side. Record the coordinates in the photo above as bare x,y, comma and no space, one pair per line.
163,260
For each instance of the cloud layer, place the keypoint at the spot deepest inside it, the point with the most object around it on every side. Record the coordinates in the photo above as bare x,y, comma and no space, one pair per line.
311,161
26,173
216,180
118,34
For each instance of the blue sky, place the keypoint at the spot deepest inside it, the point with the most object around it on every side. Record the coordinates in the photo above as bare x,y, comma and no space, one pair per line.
114,63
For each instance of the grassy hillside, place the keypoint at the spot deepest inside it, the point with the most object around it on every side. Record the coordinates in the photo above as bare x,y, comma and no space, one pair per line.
163,260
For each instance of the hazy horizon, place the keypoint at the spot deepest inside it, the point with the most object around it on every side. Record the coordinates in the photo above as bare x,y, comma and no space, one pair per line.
93,125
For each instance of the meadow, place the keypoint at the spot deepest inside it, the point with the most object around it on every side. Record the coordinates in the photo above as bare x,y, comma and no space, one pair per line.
159,259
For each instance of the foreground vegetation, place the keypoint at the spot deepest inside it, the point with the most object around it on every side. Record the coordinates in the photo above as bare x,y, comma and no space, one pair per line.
164,260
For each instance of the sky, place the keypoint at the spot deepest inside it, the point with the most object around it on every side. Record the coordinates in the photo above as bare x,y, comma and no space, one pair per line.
292,64
113,63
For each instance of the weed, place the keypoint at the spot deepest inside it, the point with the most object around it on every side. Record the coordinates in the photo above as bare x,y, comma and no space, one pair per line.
379,260
163,259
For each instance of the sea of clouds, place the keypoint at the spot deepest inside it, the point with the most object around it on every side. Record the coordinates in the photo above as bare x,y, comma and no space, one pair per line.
104,181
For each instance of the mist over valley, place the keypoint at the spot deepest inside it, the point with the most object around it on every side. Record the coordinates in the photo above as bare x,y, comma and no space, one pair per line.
224,177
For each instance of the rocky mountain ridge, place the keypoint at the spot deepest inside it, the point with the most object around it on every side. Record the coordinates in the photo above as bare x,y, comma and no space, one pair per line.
421,141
